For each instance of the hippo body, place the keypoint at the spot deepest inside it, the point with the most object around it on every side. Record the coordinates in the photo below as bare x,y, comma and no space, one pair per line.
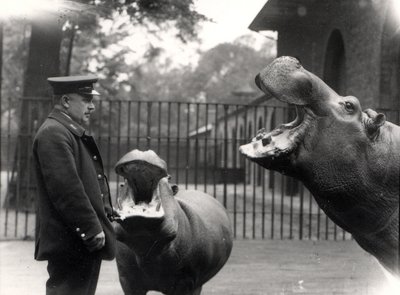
168,243
348,159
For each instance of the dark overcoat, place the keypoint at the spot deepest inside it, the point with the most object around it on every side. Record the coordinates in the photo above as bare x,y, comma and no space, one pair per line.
73,195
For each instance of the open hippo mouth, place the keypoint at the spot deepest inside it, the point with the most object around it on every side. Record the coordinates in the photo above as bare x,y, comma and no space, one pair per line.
130,206
286,80
140,196
281,141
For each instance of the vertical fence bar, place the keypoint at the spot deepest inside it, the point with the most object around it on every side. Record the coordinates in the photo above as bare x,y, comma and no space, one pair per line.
188,106
118,141
283,180
301,212
19,172
196,149
1,123
291,187
319,223
264,123
271,184
282,204
235,167
168,131
128,129
148,124
215,152
310,215
178,134
99,130
326,227
272,175
1,137
8,168
245,131
255,170
335,232
263,205
109,138
205,164
29,137
159,128
225,171
138,116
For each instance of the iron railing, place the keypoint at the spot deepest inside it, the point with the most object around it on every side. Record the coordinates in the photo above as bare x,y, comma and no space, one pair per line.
199,142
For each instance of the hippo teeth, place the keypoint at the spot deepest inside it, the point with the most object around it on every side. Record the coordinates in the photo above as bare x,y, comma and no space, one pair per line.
129,206
280,141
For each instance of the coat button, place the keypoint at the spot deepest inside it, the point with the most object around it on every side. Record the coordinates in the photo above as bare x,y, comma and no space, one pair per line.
99,176
83,235
102,195
78,229
95,158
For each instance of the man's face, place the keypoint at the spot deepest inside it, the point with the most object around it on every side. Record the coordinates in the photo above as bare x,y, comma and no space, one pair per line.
80,107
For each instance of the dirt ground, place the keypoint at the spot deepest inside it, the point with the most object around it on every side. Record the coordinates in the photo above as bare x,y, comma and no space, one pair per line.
255,267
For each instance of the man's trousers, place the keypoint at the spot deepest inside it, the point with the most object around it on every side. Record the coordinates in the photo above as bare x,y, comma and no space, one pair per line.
73,276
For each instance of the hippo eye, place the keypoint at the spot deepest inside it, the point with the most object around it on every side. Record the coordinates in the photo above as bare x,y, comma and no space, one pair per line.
349,106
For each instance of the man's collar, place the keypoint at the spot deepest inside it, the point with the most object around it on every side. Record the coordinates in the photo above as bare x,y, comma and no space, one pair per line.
67,121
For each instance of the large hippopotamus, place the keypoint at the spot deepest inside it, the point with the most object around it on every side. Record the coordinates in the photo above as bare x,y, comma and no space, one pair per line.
349,159
168,240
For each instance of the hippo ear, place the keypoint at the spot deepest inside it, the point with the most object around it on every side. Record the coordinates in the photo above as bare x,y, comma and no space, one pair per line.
374,122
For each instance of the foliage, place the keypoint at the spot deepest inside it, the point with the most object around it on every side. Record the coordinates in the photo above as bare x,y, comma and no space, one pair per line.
225,69
15,50
178,13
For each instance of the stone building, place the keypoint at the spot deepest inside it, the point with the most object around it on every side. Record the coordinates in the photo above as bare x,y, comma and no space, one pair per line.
353,45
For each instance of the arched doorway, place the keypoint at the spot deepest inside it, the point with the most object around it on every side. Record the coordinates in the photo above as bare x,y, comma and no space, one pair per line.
335,63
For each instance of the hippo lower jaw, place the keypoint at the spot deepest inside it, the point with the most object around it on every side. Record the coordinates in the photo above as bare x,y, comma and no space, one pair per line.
128,209
280,142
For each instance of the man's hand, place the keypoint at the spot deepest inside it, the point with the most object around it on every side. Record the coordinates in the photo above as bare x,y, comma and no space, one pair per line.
95,243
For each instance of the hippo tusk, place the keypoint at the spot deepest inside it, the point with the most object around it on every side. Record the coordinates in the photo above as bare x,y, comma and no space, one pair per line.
158,206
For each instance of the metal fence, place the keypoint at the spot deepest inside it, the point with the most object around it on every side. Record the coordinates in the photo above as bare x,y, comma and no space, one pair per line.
199,142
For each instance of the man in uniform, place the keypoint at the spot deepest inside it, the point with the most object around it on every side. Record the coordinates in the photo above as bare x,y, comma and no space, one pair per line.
73,232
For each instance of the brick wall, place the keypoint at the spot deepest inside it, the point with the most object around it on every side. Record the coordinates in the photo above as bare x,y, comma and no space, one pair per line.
361,24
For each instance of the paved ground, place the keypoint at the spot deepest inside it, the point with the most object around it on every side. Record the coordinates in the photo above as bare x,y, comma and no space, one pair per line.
255,268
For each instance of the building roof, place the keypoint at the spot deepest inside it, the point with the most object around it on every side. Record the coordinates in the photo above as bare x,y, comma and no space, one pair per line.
202,130
278,13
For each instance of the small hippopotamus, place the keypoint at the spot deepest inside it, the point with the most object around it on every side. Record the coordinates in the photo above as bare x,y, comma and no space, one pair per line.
168,240
349,159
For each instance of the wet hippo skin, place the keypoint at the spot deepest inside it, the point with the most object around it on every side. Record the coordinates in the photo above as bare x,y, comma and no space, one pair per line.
168,241
349,159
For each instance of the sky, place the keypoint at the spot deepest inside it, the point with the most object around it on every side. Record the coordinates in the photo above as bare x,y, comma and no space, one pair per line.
232,18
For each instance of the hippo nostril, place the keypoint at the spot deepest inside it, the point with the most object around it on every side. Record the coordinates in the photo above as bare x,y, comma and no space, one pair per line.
266,140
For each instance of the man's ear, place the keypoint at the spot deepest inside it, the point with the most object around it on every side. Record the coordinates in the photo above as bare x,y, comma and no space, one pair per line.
64,101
